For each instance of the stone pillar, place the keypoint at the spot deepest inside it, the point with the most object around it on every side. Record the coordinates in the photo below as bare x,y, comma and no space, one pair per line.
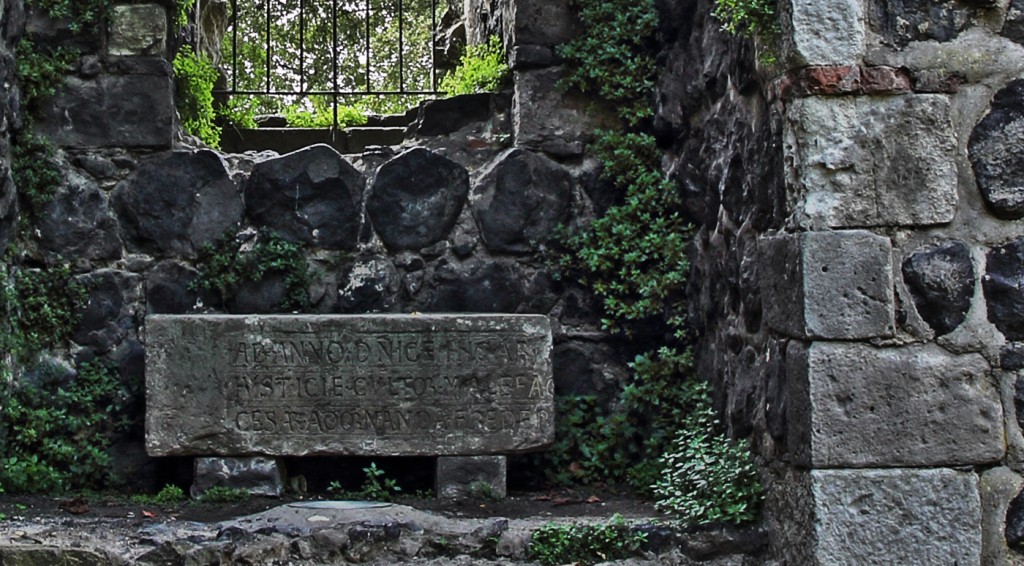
475,477
894,390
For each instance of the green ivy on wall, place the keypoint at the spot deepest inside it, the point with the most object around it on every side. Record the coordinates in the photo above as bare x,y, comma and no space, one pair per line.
633,257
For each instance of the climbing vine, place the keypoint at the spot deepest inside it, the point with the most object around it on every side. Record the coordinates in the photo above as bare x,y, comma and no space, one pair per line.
633,257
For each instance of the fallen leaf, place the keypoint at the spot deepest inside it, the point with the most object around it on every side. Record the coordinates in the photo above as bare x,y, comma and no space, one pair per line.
149,514
563,501
593,499
542,498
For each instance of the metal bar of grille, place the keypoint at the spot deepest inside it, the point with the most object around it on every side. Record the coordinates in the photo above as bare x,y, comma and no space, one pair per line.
270,46
334,59
433,44
234,45
367,52
302,45
401,47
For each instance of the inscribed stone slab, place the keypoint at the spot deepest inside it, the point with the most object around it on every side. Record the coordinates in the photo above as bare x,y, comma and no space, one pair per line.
361,385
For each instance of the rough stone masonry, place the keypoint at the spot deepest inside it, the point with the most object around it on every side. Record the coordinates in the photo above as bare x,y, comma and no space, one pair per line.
381,385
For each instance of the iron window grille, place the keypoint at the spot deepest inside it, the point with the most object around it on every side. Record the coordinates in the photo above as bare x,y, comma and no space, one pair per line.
331,51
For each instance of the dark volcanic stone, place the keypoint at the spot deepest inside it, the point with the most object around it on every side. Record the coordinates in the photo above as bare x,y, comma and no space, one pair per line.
111,111
1011,356
310,196
107,317
996,151
177,202
1015,523
1018,400
520,199
370,285
167,288
941,280
1013,27
77,222
903,21
263,296
416,199
448,115
1004,288
476,286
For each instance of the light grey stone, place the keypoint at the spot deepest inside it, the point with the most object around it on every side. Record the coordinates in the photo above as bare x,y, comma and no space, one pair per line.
854,405
257,475
998,487
558,17
857,517
826,32
475,477
361,385
139,29
832,285
872,161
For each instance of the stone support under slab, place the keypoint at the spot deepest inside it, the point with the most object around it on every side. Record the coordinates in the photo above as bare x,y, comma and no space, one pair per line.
479,477
258,475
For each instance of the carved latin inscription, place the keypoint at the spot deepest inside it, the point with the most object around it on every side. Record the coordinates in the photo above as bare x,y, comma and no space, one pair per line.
383,385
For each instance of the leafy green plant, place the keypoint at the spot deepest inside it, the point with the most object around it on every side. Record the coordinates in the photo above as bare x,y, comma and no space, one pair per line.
35,171
481,69
42,307
167,496
79,14
224,266
221,494
376,487
747,18
707,476
196,76
41,69
634,257
56,429
614,60
181,15
586,544
317,112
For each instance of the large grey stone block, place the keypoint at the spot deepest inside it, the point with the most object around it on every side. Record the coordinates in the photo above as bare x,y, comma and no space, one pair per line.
826,32
858,517
131,110
832,285
547,119
854,405
369,385
872,161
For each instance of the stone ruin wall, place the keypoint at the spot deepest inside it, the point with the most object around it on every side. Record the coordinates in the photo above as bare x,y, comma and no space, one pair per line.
856,269
859,266
140,201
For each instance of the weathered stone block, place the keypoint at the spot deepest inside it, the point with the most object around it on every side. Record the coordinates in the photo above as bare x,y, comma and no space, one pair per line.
833,285
372,385
558,17
872,161
134,110
1003,285
826,32
544,117
256,474
998,487
177,202
139,29
853,405
311,196
854,517
416,199
519,201
477,477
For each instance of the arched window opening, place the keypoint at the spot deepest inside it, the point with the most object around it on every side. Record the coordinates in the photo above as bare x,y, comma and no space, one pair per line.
326,63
